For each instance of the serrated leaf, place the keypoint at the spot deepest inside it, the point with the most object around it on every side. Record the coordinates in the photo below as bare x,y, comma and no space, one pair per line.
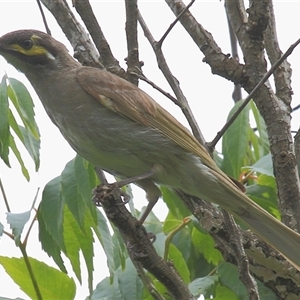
235,142
86,181
52,283
75,240
120,251
204,285
263,166
224,293
179,262
32,146
228,276
51,211
107,291
49,245
205,244
23,103
4,122
71,194
106,241
126,285
174,254
17,221
16,152
175,205
262,130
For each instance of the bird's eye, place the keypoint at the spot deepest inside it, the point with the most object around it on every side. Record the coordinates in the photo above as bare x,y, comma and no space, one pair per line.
27,44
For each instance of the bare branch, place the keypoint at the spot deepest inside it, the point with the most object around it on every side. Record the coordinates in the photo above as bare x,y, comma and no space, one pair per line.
132,41
83,47
271,107
162,64
282,76
43,17
241,257
252,94
85,11
237,92
174,23
220,63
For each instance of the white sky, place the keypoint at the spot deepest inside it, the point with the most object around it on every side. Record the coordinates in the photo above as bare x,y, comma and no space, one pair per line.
208,95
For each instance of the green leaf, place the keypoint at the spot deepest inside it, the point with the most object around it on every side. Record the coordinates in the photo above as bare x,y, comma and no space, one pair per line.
4,122
204,243
264,193
204,285
16,152
235,142
174,255
1,229
17,222
264,166
106,241
49,245
70,193
224,293
52,283
120,251
126,285
261,128
228,276
179,262
75,240
86,181
23,103
51,212
106,291
32,146
175,205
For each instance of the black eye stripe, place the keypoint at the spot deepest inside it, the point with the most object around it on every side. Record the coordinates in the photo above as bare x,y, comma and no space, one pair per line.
27,44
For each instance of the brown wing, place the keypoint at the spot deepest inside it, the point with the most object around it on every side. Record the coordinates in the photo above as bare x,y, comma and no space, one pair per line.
128,100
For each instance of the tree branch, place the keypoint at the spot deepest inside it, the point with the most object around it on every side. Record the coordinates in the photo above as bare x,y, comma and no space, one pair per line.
83,47
85,11
173,82
132,41
270,106
139,246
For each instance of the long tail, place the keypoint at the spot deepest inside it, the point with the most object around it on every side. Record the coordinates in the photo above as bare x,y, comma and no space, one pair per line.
271,230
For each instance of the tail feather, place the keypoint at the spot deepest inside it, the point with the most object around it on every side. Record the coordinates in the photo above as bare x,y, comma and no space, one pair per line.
271,230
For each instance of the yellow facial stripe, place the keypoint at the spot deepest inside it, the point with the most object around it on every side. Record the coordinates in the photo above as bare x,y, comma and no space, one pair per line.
33,51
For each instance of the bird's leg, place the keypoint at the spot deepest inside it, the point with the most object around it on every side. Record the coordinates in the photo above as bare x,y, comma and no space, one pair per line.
133,179
152,191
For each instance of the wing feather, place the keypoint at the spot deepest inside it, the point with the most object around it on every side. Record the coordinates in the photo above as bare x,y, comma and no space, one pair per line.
128,100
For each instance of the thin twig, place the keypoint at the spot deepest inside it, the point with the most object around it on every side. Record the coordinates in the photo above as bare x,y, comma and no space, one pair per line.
212,144
241,257
174,23
43,17
31,273
144,78
173,82
4,196
237,91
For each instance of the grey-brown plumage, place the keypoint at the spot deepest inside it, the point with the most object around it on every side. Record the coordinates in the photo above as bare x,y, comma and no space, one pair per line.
118,127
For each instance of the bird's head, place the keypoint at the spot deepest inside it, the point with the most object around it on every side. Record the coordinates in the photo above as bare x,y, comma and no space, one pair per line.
29,50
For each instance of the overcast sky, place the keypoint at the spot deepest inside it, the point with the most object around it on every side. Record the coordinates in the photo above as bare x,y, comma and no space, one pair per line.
209,95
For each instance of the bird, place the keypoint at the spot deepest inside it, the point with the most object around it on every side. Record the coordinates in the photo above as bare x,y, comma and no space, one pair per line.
118,127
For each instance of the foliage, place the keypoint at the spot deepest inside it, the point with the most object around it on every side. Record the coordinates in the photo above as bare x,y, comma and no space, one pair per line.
69,222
